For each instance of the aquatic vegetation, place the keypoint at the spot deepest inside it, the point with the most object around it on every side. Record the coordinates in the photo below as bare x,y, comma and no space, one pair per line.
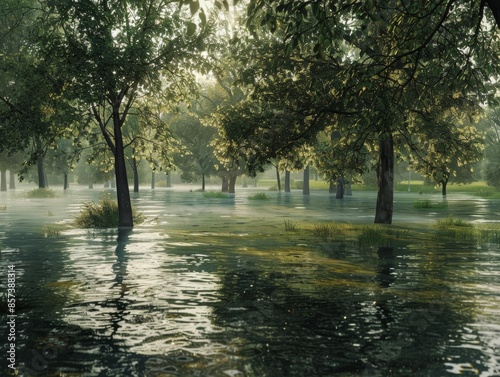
41,193
259,196
373,235
290,226
53,230
102,215
427,204
212,194
323,231
452,222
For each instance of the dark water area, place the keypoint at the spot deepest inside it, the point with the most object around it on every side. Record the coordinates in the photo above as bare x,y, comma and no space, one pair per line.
217,287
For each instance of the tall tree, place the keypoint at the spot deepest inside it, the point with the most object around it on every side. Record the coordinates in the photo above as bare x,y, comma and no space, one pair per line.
110,52
384,62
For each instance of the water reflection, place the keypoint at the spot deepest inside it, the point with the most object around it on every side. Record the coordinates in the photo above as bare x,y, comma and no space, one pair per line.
241,297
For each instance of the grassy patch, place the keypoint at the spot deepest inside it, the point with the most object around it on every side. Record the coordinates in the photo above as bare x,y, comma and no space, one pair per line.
452,222
259,196
41,193
53,230
102,215
290,226
212,194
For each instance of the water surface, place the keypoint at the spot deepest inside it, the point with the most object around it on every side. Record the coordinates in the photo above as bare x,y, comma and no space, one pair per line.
217,287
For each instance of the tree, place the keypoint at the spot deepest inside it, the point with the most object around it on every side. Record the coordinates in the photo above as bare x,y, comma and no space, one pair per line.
112,52
382,63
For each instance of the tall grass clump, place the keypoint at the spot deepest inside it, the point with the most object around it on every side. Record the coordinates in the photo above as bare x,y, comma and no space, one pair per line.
323,231
452,222
102,215
372,235
41,193
290,226
259,196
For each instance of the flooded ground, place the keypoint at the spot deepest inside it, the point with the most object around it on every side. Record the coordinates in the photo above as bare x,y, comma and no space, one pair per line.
218,287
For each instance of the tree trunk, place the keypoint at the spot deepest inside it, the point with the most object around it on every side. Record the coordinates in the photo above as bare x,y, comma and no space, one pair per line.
443,187
340,188
232,184
136,174
125,219
65,184
169,180
278,179
12,180
153,182
3,180
305,186
202,181
385,179
225,185
287,181
42,183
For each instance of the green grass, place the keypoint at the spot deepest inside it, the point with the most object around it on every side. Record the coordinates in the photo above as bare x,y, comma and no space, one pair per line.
259,196
290,226
102,215
452,222
41,193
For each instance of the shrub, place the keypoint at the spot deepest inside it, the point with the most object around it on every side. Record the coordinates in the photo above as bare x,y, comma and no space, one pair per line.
102,215
259,196
41,193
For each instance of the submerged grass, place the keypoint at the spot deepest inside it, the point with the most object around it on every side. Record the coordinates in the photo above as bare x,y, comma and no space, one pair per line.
259,196
452,222
102,215
427,204
41,193
290,226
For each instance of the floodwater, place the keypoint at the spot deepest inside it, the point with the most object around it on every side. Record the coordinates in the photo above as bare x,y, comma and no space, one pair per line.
217,287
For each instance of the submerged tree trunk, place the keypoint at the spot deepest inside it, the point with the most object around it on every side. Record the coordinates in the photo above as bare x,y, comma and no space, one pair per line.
153,177
340,188
225,184
443,187
169,180
305,186
287,181
65,183
42,183
12,180
125,219
3,180
202,181
278,179
136,174
232,184
385,179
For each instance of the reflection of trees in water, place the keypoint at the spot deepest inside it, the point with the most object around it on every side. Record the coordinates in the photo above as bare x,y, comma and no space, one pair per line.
395,327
